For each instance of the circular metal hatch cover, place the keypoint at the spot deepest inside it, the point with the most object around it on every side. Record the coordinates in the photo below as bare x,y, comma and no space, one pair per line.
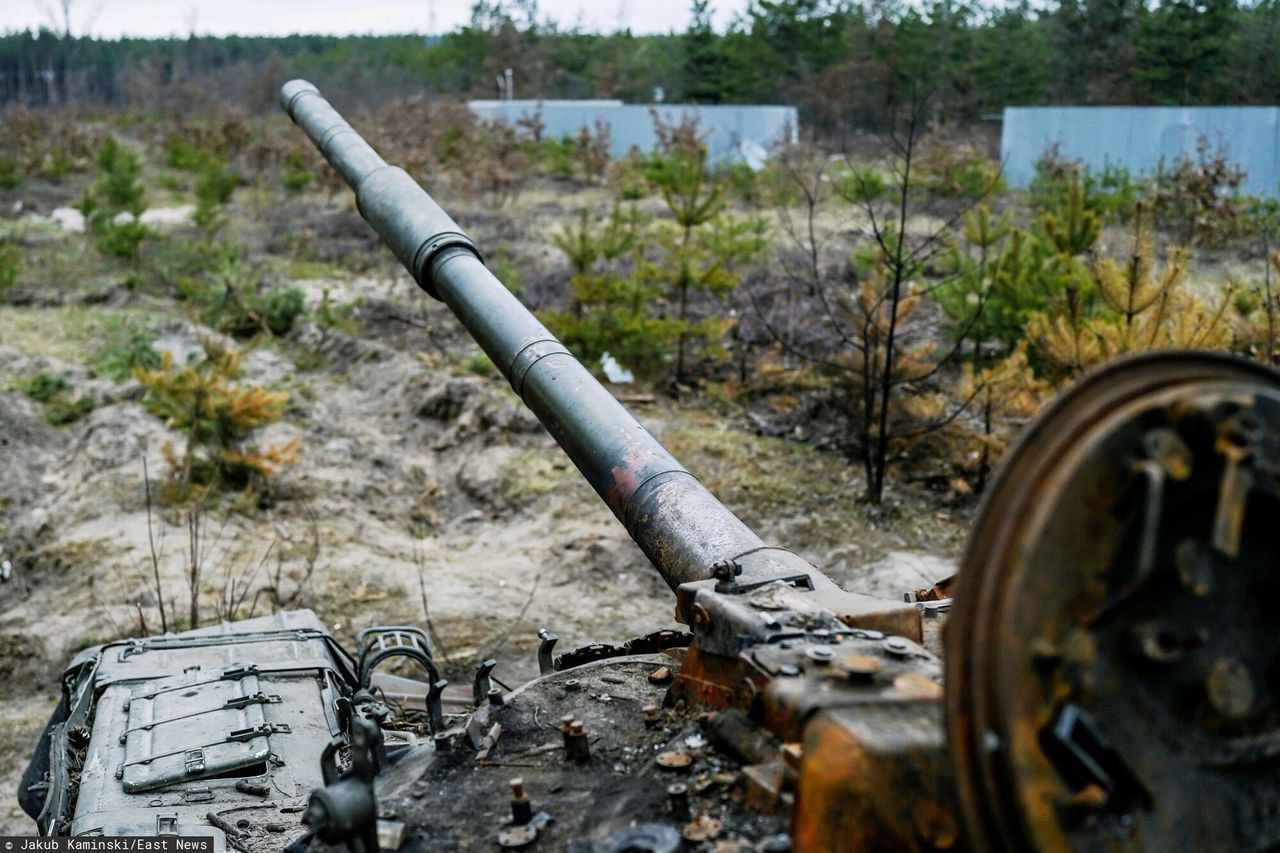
1113,663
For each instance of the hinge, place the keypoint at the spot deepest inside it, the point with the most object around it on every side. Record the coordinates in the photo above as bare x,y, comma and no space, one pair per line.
755,580
254,699
129,651
259,731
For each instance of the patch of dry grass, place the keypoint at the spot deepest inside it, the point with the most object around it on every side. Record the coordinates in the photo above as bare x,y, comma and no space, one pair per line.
68,332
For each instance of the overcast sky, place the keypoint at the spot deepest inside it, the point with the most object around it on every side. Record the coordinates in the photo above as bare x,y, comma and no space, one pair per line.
115,18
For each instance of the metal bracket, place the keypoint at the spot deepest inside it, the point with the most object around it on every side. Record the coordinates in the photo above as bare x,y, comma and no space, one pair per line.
759,567
345,811
1083,754
203,794
259,731
480,689
546,663
435,709
193,761
254,699
746,583
382,644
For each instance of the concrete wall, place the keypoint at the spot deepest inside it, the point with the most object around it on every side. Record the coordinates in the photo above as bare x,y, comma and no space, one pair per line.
1141,138
724,128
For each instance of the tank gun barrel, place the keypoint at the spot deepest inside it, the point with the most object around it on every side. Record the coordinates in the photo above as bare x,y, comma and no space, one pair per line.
676,521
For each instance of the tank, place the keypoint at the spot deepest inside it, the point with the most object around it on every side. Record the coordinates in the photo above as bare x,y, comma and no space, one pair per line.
1108,680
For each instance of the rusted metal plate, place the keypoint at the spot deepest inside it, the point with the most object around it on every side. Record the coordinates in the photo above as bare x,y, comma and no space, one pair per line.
877,614
875,778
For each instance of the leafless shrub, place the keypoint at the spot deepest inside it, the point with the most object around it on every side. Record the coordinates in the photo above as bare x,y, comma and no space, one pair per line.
235,589
1198,199
242,586
420,561
155,540
290,586
856,323
287,584
677,136
593,150
50,144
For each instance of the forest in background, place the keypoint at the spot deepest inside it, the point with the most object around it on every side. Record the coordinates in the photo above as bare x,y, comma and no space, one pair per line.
845,64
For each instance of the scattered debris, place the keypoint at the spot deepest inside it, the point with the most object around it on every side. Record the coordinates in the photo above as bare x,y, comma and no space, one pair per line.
702,828
615,372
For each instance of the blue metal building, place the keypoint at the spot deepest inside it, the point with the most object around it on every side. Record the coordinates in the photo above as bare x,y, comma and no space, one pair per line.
745,132
1141,139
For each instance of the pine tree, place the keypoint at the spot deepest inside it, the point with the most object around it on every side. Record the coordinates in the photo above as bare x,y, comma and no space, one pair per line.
703,64
1183,50
1075,228
113,206
1003,396
701,248
975,282
1092,55
1138,308
610,302
218,417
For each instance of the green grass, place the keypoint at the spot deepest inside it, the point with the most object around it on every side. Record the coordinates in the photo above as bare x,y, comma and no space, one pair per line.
303,269
533,472
74,333
43,387
61,406
736,464
479,364
30,230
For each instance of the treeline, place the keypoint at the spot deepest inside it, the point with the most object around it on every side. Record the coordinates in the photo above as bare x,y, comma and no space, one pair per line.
842,62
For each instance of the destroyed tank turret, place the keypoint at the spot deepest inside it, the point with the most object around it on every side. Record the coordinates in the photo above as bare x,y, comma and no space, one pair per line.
1110,677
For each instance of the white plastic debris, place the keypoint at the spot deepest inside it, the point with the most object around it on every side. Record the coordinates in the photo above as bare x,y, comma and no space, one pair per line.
180,215
753,154
68,218
615,372
71,219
